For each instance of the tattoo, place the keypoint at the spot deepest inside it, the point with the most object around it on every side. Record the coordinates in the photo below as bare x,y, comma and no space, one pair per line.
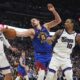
57,35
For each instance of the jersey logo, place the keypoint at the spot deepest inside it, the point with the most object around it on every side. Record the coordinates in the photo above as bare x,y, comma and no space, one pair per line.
42,36
69,41
65,39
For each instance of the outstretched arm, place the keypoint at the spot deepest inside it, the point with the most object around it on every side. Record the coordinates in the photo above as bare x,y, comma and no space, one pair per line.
23,32
57,19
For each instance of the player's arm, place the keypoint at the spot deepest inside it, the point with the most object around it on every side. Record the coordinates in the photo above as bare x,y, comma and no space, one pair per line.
26,33
78,39
55,36
5,41
57,19
7,44
23,32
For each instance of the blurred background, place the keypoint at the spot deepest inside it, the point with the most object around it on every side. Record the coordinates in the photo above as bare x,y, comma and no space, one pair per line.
19,12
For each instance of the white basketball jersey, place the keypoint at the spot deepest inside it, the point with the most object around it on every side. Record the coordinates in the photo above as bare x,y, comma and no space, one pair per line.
65,44
3,41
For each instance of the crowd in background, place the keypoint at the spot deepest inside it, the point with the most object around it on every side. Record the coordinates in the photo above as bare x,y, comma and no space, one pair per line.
19,13
25,44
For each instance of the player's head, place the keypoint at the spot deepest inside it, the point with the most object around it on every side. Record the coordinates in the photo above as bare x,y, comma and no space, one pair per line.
35,22
69,24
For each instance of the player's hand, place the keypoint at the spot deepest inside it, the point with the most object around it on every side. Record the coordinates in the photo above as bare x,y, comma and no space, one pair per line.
3,29
50,7
13,49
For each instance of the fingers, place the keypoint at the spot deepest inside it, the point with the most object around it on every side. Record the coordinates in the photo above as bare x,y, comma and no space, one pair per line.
50,7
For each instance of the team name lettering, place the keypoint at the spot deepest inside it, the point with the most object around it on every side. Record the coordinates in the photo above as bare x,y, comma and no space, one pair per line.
65,39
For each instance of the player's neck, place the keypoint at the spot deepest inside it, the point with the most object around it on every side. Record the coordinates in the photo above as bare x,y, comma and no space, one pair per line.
70,31
39,27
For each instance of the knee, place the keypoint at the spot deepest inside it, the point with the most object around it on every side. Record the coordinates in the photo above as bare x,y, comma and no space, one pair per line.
69,75
17,78
26,77
41,73
50,75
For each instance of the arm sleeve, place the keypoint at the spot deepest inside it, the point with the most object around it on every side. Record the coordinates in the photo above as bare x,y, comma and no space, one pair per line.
5,42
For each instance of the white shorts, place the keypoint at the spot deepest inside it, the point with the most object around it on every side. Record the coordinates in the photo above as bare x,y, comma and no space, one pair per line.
4,65
58,62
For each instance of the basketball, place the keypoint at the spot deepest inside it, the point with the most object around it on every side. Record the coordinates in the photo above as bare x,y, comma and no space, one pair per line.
9,33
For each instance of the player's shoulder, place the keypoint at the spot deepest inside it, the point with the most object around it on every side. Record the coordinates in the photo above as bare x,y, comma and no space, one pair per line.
77,35
59,32
78,38
31,30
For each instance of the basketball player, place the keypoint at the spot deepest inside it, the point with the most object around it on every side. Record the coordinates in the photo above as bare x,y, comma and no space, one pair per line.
39,33
22,68
65,42
4,64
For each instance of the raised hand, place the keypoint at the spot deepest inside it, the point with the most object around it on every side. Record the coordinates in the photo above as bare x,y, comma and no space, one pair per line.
50,7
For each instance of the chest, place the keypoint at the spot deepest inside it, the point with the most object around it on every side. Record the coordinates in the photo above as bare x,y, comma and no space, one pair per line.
67,38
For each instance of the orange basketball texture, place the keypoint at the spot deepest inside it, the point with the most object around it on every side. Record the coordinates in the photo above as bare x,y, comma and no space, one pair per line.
9,33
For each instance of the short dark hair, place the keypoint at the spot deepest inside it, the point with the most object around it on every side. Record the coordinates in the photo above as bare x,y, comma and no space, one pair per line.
76,25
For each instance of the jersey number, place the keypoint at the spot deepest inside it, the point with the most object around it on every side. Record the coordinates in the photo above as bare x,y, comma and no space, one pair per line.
69,46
